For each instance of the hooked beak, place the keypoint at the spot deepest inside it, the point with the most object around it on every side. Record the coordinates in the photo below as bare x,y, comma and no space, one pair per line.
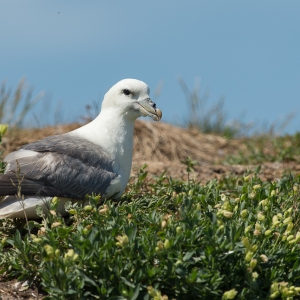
148,108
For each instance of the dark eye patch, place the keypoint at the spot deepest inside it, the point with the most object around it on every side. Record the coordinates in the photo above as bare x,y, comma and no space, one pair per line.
126,92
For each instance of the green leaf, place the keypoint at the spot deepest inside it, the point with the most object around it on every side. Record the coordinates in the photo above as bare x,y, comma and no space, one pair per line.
39,211
188,255
127,282
32,224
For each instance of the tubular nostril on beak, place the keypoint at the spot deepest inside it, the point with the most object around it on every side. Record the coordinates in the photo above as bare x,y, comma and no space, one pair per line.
148,108
152,103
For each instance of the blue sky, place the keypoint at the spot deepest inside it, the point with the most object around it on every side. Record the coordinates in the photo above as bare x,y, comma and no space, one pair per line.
246,51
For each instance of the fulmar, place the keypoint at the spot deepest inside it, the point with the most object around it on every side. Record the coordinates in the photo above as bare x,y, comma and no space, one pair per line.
95,158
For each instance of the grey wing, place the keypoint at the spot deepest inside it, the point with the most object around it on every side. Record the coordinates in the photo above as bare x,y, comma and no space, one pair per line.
62,166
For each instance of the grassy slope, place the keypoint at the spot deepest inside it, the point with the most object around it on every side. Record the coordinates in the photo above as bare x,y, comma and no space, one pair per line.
175,239
236,237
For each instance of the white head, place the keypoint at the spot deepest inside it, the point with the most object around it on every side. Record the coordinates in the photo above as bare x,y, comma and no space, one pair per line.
131,98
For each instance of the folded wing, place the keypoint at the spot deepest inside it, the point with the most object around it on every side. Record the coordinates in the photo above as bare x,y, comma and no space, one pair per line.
61,165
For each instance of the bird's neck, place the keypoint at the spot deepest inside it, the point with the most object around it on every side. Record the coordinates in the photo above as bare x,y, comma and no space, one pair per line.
113,131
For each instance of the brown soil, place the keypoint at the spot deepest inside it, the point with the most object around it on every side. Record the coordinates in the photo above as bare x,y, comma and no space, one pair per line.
162,147
13,290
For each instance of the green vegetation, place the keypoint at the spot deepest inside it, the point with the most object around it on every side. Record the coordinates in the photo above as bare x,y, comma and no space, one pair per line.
3,129
15,106
238,238
210,120
214,120
267,148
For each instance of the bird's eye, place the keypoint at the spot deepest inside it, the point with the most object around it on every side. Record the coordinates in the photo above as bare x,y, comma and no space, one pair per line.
126,92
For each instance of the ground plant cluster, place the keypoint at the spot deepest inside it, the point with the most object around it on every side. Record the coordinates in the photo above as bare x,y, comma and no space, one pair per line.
233,239
209,218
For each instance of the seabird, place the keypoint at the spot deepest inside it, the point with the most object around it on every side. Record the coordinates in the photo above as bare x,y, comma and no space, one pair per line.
95,158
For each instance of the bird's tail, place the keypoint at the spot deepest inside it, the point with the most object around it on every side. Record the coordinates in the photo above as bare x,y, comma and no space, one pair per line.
12,207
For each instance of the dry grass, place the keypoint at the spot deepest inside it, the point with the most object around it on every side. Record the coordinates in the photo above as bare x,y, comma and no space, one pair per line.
163,147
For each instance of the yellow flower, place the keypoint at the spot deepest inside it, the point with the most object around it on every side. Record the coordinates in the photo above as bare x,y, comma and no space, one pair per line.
37,240
167,244
156,295
258,226
252,195
71,255
104,209
260,217
287,220
49,250
88,208
268,232
249,256
247,178
223,197
264,202
291,242
227,214
87,229
246,243
151,291
253,263
160,245
264,258
42,231
257,232
221,227
178,230
229,294
122,240
55,200
290,227
274,287
254,248
288,212
248,228
275,220
55,224
244,213
163,224
275,294
3,128
97,198
226,205
257,186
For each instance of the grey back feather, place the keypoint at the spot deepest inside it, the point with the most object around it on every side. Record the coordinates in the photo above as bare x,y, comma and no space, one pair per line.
65,165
